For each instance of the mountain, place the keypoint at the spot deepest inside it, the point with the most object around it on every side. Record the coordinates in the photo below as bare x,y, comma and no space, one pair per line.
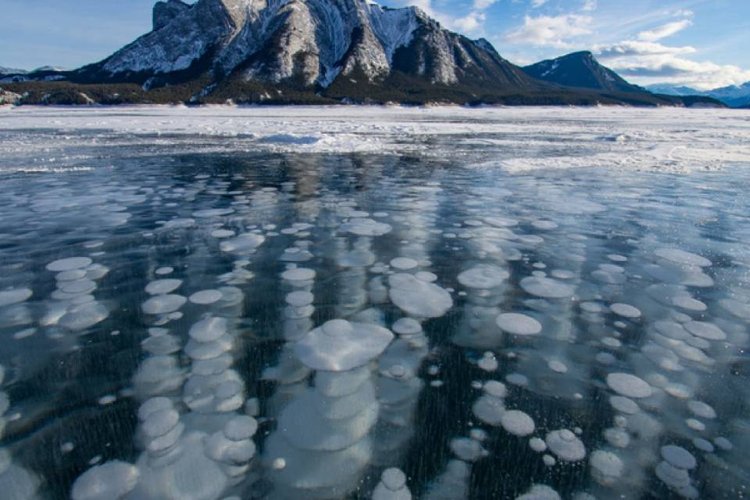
580,70
316,52
11,71
735,96
300,44
668,89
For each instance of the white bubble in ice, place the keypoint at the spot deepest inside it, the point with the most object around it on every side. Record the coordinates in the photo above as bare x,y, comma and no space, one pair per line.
154,405
606,467
591,307
242,244
701,409
298,274
299,299
84,316
73,275
625,310
672,476
501,222
241,428
69,264
517,379
209,329
540,492
689,303
538,445
723,443
407,327
205,297
466,449
707,331
394,479
682,257
108,481
557,366
163,304
366,227
418,298
96,272
566,445
160,422
426,276
78,287
562,274
339,345
221,234
624,405
617,437
483,277
163,271
489,409
544,225
495,389
629,385
488,362
404,263
517,423
678,457
703,445
546,288
518,324
14,296
163,287
737,308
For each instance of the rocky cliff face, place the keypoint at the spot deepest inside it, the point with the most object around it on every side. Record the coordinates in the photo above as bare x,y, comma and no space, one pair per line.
166,12
309,43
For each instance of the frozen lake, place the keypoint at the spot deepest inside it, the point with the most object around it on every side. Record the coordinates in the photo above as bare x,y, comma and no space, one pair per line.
303,303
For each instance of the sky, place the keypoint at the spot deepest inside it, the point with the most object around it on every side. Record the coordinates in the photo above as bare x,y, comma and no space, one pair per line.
699,43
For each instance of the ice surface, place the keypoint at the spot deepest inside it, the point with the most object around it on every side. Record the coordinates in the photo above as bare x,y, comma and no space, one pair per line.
613,304
669,139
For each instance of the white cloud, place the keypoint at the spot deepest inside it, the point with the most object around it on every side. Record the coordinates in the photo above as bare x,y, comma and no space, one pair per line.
631,48
589,5
664,31
703,75
538,3
483,4
551,31
471,24
651,62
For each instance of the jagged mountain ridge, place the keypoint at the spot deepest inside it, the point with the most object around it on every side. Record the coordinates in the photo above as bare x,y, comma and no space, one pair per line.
310,43
581,70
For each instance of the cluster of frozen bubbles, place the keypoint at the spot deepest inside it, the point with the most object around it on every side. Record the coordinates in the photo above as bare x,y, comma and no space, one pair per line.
586,362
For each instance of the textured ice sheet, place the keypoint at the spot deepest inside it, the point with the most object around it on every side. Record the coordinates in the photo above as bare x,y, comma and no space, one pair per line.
514,139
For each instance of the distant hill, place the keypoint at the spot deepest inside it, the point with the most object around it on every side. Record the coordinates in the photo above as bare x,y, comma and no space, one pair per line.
736,96
11,71
581,70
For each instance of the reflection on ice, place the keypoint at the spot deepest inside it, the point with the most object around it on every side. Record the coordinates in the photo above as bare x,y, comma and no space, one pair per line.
286,326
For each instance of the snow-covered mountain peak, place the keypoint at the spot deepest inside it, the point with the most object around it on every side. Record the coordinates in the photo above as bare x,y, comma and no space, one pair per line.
307,43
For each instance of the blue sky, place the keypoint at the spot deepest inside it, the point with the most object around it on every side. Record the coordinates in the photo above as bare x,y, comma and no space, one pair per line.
702,43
